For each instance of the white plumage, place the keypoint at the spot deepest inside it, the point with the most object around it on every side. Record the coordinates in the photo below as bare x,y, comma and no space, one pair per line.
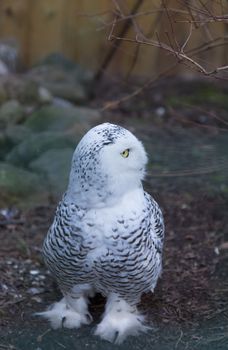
107,235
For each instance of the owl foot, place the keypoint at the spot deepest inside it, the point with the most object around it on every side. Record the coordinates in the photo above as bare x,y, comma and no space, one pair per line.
61,314
119,322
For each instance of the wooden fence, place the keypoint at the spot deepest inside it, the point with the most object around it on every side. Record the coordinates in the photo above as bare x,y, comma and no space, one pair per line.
80,28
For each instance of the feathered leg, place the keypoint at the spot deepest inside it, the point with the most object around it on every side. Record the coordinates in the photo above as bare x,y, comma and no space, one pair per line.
120,320
70,312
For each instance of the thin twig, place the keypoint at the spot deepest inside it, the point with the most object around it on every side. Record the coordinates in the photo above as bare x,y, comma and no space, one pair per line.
180,55
187,39
110,36
179,339
40,337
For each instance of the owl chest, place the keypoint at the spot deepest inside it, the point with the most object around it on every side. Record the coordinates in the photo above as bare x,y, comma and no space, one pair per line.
114,226
116,240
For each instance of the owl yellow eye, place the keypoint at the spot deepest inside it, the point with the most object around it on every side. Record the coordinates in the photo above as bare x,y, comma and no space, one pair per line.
125,153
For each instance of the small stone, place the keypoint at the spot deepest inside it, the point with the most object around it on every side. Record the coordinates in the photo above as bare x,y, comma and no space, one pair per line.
9,262
34,272
28,261
9,213
42,277
3,287
203,119
35,290
4,212
160,111
37,299
216,250
44,95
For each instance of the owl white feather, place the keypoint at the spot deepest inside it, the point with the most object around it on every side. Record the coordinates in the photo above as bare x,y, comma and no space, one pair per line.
107,235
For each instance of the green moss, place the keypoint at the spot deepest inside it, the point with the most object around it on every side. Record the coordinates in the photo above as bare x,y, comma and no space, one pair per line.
59,119
200,96
17,181
36,144
5,145
54,165
20,187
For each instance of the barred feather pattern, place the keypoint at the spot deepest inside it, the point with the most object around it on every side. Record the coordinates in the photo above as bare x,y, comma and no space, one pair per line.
125,260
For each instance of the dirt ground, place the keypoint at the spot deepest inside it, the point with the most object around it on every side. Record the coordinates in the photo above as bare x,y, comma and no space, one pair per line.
189,309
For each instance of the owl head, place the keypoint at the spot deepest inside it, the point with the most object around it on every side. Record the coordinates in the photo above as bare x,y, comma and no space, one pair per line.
108,162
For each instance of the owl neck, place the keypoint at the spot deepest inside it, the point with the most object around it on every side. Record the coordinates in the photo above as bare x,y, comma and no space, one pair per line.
101,193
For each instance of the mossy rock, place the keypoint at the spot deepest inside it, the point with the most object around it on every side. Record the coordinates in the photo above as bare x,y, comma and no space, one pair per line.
17,133
5,145
59,61
11,112
56,118
71,91
22,89
31,148
63,78
54,165
18,185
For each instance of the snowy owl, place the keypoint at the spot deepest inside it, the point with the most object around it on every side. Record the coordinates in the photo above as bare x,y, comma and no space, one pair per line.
107,235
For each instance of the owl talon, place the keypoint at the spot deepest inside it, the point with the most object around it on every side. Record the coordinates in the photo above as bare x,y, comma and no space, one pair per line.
89,318
63,320
115,336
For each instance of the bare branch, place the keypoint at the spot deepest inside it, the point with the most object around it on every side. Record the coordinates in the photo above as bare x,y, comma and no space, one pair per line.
202,17
180,55
110,36
173,47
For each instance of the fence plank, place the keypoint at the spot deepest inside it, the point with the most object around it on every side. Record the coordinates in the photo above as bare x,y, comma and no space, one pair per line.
79,29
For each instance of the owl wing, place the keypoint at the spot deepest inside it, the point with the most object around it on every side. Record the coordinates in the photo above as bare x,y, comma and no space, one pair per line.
65,249
157,228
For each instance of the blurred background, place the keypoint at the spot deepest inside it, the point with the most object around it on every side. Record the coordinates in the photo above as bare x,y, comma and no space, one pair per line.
158,68
86,33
